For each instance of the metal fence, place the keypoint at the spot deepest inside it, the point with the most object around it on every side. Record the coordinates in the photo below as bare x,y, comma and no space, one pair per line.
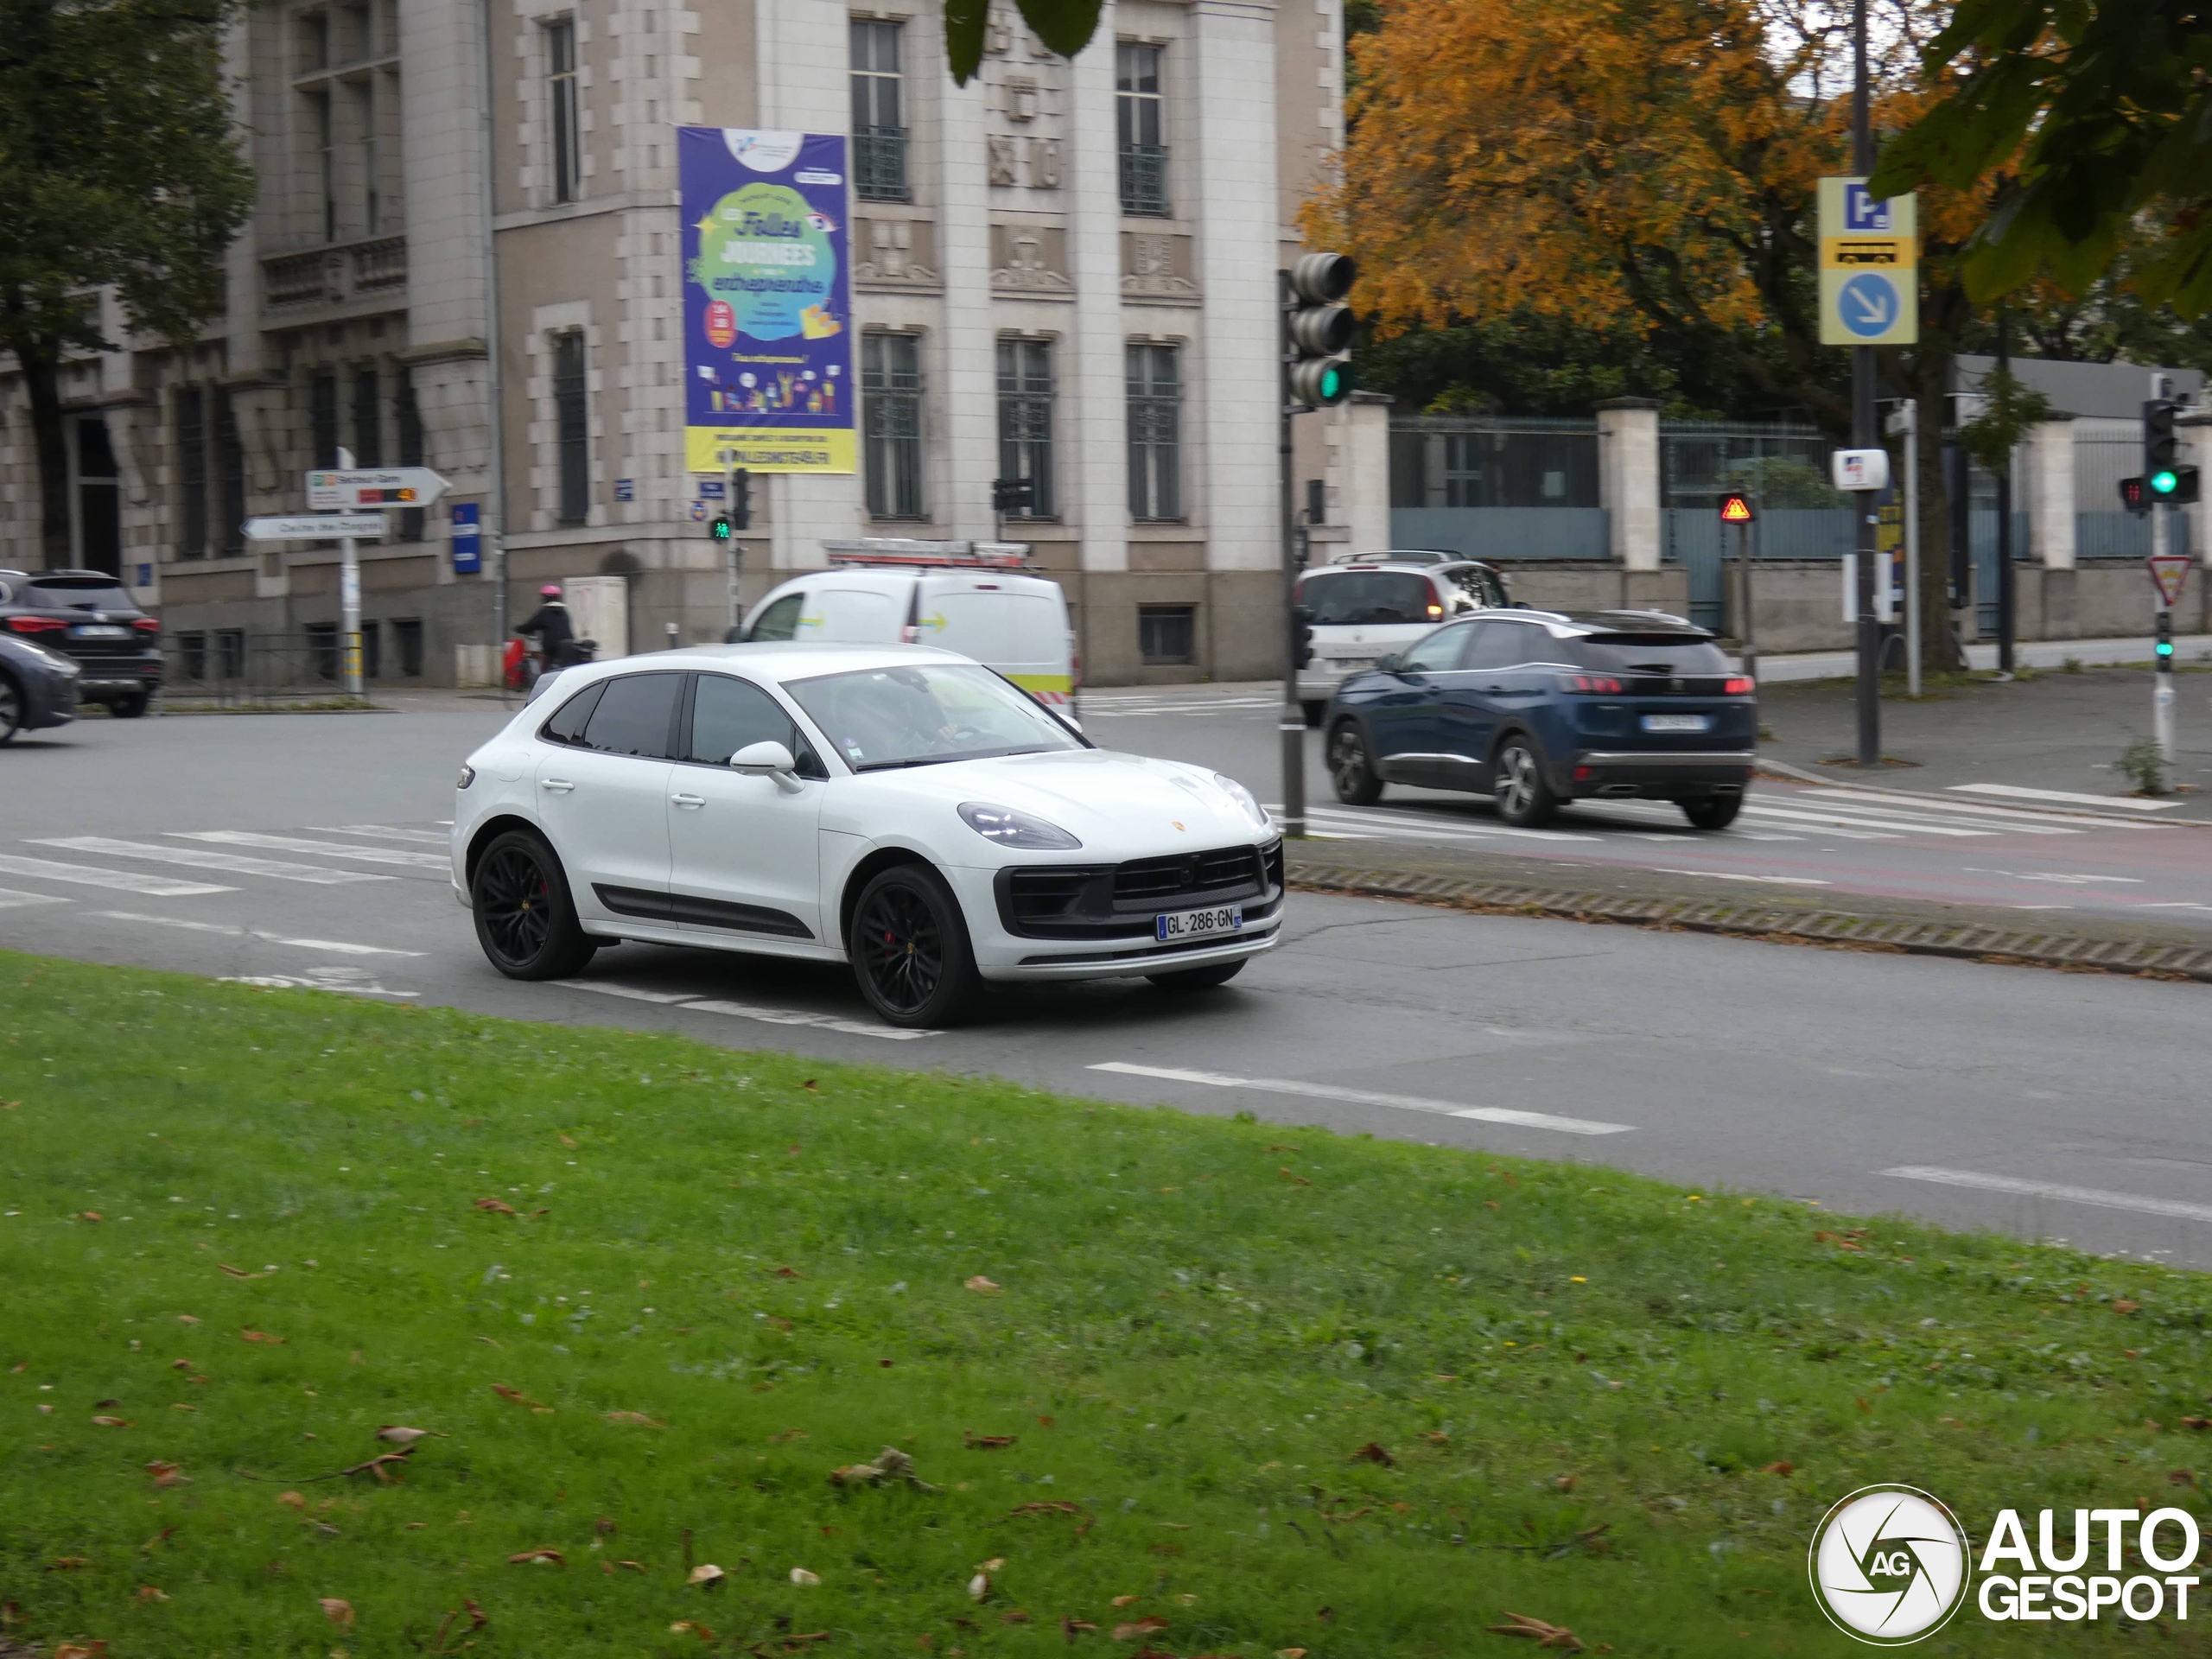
1524,486
232,669
1783,467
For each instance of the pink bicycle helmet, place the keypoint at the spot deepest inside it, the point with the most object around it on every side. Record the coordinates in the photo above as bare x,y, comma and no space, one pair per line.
550,590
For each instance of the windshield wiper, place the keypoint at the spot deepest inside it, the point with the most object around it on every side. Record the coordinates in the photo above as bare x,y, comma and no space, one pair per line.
946,759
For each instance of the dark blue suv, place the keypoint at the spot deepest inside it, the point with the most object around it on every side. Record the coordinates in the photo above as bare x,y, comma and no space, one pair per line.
1541,708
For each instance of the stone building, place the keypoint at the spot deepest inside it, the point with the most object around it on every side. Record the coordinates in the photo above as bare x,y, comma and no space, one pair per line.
1063,271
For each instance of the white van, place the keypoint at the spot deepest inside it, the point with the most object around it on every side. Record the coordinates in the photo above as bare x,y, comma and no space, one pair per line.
977,602
1362,605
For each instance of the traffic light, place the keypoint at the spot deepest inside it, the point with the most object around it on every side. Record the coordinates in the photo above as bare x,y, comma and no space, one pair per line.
2183,490
720,528
2164,645
1013,494
741,500
1301,636
1319,328
2161,449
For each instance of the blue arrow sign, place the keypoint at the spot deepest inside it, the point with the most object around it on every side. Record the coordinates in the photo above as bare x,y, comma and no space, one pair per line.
1869,304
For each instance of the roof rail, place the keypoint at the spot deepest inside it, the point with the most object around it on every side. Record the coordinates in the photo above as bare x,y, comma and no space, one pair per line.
907,553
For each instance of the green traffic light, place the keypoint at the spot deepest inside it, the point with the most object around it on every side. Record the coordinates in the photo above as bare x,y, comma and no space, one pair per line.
2165,481
722,528
2165,647
1332,379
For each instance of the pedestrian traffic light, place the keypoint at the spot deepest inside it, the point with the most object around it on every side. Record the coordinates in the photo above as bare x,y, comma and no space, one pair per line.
2161,448
1301,636
720,528
1317,330
741,500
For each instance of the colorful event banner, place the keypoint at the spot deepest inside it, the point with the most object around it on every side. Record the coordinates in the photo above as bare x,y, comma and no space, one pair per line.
767,309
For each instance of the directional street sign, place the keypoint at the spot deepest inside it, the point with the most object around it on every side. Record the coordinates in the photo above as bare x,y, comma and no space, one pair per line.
1870,267
2170,572
1736,510
315,527
374,487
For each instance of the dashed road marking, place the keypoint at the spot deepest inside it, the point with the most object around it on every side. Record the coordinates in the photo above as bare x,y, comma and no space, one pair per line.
346,947
200,858
329,848
87,876
2096,1197
389,832
2016,792
10,900
690,1002
1369,1098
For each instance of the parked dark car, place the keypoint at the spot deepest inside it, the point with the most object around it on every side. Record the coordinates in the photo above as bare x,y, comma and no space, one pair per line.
87,616
1541,708
38,687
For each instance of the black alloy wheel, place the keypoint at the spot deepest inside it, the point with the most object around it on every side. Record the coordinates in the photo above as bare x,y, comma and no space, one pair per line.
129,707
1711,812
1352,774
524,919
1517,782
1200,979
909,949
11,709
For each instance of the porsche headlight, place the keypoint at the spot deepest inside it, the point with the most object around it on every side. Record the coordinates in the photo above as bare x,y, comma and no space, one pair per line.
1008,828
1245,798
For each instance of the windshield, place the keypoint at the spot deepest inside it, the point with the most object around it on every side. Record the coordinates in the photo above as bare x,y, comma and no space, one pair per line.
1650,653
882,717
1344,598
78,592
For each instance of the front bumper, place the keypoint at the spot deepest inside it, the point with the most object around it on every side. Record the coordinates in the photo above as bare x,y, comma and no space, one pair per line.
1657,774
1002,954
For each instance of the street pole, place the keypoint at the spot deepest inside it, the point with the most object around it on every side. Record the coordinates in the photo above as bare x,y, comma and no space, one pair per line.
2162,679
736,556
1292,718
1750,649
2006,595
349,601
1865,434
494,524
1911,410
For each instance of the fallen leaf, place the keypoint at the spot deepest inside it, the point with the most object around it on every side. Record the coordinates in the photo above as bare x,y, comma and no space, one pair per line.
979,1587
516,1396
336,1611
987,1442
400,1434
1017,1616
789,1273
179,1405
292,1500
158,1541
71,1650
146,1592
1136,1628
1299,1180
635,1567
168,1474
1565,1483
2123,1305
564,1140
981,1284
1124,1601
542,1209
1071,1628
187,1319
109,1423
69,1563
637,1417
1046,1506
237,1273
1542,1634
538,1558
495,1206
90,1215
801,1576
1290,1653
708,1574
1785,1470
260,1335
1373,1454
2196,1422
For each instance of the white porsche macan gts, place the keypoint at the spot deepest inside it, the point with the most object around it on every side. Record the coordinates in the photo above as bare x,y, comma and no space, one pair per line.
896,807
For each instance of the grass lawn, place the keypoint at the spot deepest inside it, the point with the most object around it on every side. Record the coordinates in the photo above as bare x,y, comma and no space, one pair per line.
1221,1388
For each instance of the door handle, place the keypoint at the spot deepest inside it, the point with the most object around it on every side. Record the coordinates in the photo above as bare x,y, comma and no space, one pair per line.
558,786
689,800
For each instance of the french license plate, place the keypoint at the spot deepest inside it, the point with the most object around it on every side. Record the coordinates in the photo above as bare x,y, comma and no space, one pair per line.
97,631
1198,924
1677,722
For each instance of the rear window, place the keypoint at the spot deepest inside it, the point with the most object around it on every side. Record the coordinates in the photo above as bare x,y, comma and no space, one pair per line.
1650,653
76,593
1349,598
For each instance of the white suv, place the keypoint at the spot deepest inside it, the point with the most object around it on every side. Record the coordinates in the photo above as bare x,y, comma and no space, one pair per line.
1363,606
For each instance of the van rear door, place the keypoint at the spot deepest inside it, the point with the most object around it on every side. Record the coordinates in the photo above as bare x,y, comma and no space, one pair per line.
856,616
1018,626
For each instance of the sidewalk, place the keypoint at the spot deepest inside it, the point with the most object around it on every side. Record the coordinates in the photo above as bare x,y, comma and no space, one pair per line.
2188,648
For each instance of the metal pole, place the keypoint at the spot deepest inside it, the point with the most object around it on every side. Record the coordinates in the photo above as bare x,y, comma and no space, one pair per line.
349,601
736,558
1293,719
1911,412
495,524
1744,635
1863,434
2006,595
2162,679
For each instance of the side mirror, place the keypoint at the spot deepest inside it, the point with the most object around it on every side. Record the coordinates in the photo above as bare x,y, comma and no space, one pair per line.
767,761
1386,663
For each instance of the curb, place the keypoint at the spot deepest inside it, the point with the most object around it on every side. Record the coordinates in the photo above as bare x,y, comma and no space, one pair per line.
1798,774
1835,929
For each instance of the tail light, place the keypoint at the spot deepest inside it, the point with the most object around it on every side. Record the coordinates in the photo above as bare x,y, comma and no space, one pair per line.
1435,611
146,624
35,625
1603,685
1739,685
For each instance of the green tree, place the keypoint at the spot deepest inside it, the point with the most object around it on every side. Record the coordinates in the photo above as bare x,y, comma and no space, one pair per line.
119,166
1065,25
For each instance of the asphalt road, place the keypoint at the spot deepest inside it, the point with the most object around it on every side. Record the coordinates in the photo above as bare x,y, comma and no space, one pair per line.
2046,1104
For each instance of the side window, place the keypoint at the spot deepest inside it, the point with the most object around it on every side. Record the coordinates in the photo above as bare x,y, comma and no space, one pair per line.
633,715
1439,653
1501,645
567,725
728,715
780,620
1470,590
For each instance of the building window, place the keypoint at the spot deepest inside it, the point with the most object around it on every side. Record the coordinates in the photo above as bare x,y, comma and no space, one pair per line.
891,385
230,653
1025,419
1155,432
314,42
572,430
879,113
230,478
1167,633
407,638
368,419
323,650
561,97
407,424
192,474
99,498
1140,113
323,420
192,656
364,112
372,651
325,160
